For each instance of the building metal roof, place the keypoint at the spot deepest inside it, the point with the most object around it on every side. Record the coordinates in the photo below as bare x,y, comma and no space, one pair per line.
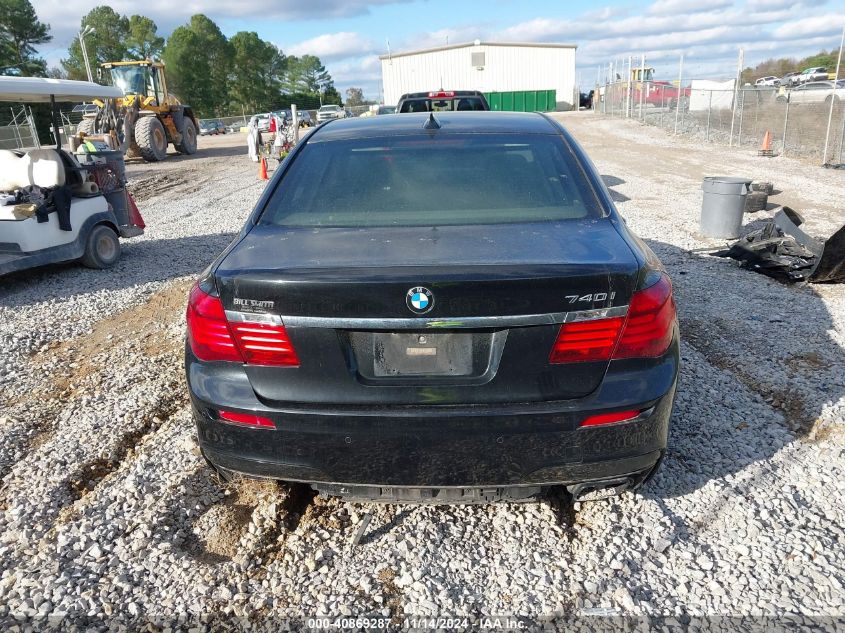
450,47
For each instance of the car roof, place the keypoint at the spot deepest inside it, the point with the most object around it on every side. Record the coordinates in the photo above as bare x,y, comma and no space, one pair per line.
450,123
455,94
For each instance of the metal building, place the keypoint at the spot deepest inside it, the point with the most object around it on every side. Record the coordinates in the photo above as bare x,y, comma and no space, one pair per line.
514,76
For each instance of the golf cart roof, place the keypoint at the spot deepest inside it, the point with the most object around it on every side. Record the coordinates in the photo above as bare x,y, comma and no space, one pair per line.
39,89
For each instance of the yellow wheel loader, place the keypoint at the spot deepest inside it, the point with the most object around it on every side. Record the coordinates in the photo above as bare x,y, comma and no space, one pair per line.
147,118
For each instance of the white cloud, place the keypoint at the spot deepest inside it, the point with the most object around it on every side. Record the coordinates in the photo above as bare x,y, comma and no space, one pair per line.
673,7
330,46
829,24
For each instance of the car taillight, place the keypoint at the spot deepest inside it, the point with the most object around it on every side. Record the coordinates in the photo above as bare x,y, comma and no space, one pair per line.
584,341
645,332
250,340
650,323
247,419
208,331
264,344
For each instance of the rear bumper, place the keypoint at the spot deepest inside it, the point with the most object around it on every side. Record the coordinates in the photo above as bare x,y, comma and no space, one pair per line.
516,445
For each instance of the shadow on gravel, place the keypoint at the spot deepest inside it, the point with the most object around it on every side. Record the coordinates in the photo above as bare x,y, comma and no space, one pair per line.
769,337
142,261
613,181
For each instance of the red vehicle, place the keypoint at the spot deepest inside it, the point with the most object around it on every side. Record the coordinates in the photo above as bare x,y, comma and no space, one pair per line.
657,93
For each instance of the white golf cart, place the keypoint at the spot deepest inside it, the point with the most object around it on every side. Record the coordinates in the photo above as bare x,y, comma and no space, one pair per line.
58,206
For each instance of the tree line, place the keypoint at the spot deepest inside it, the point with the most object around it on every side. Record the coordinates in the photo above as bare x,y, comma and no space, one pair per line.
780,66
214,74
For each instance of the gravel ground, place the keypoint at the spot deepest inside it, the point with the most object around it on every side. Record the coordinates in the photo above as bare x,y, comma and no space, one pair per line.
108,514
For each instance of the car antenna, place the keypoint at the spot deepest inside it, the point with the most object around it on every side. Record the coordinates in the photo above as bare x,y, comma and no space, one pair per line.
431,123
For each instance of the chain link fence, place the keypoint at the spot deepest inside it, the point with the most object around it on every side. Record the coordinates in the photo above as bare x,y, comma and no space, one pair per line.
17,129
796,120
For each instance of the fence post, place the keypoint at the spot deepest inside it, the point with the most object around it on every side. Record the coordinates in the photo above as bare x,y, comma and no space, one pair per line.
841,137
709,112
295,123
642,83
785,122
741,113
678,100
737,81
833,97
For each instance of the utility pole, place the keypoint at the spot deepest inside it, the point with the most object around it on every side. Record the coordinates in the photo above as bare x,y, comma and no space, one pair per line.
86,31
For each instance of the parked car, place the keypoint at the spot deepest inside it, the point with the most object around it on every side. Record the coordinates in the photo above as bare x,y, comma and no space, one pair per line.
767,81
442,101
211,127
816,73
818,91
386,109
789,79
329,113
303,115
451,370
262,121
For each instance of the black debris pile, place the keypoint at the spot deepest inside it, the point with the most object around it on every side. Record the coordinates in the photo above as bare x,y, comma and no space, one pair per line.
783,251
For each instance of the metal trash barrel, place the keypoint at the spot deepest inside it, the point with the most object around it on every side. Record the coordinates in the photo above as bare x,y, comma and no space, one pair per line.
723,205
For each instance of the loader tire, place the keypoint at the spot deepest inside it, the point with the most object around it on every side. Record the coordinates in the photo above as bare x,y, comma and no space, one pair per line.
86,126
189,138
151,139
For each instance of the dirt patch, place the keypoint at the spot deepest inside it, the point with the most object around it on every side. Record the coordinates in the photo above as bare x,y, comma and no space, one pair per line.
387,578
218,533
170,183
145,324
808,362
90,474
704,337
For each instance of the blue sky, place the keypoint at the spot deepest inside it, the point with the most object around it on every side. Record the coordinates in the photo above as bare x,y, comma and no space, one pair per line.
348,35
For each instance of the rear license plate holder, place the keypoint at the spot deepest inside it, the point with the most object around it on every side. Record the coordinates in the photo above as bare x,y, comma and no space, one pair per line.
399,354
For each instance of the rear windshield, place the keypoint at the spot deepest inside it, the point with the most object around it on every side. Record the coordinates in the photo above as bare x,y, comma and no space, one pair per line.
426,181
442,105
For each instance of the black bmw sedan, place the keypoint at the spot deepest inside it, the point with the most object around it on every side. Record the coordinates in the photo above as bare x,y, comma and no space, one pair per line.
442,308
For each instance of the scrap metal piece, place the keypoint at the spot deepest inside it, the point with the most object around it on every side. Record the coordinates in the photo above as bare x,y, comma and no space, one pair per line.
782,250
359,533
829,265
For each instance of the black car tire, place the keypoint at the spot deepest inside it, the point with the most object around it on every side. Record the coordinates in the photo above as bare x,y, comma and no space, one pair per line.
765,187
189,138
102,248
756,201
829,98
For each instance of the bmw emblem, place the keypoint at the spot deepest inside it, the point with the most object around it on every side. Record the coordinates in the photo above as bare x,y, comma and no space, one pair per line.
419,300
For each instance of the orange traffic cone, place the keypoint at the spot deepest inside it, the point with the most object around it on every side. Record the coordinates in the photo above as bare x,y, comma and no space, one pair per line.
262,169
766,145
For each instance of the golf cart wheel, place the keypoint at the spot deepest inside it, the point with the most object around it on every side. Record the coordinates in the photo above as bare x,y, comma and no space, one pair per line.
86,126
189,138
102,248
151,139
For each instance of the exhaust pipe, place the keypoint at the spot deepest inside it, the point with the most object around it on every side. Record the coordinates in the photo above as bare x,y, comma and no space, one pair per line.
598,490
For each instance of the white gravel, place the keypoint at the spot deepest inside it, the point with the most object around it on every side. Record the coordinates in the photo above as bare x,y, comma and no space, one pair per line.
110,515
